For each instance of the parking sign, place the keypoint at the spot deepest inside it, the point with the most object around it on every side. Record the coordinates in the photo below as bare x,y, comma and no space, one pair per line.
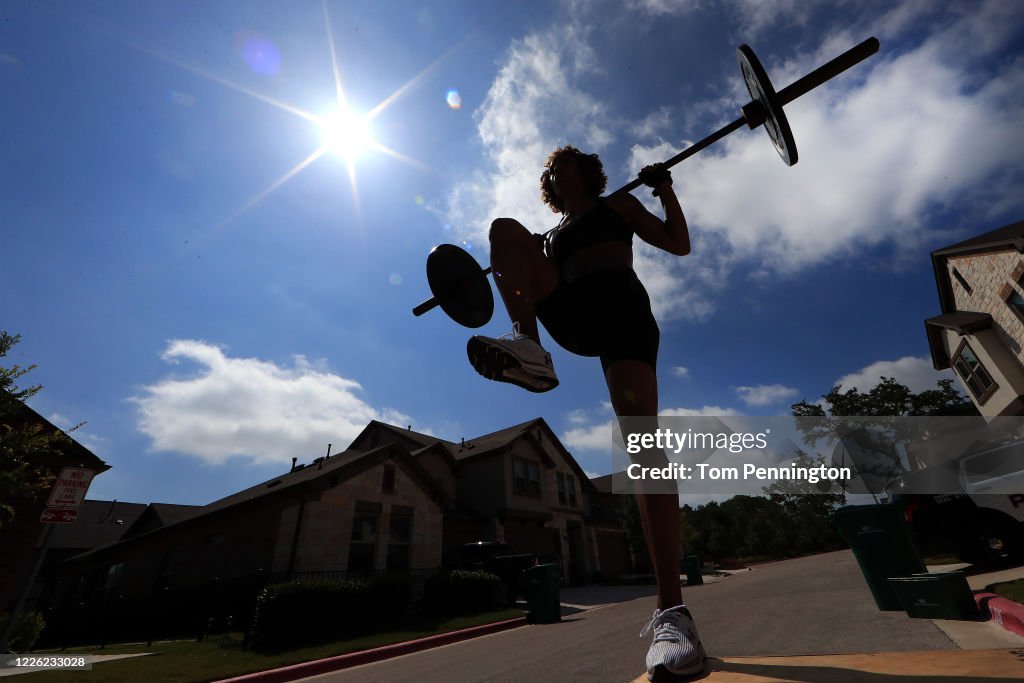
69,491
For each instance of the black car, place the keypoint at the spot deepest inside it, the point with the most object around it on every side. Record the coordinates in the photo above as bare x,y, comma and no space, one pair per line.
496,557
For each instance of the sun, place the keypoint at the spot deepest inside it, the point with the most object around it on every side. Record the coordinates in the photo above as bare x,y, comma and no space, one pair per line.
346,134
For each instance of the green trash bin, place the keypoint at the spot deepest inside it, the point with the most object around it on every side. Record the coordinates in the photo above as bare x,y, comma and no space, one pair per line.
881,543
943,595
691,567
542,593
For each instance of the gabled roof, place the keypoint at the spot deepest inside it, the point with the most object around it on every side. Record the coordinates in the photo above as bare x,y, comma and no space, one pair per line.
407,437
322,473
15,413
159,515
1007,237
490,443
99,523
535,432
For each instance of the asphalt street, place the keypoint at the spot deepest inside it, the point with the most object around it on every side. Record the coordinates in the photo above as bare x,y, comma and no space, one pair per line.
812,605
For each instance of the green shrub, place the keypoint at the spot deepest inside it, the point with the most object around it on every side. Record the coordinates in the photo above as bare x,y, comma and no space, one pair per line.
25,632
389,597
301,612
460,592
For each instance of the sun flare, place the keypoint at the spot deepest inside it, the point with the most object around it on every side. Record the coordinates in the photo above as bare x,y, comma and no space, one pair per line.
346,133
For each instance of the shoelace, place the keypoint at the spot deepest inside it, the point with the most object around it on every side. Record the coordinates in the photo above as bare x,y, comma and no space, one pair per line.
668,629
514,334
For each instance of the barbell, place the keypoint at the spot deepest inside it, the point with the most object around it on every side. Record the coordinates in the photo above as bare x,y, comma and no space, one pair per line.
458,283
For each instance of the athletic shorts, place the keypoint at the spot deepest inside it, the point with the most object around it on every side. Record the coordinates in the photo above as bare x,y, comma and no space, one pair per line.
604,313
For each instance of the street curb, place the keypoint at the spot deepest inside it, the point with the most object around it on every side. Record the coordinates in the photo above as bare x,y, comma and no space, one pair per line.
1005,612
320,666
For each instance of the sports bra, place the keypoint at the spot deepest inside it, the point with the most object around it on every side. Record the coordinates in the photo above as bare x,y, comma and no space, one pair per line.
601,223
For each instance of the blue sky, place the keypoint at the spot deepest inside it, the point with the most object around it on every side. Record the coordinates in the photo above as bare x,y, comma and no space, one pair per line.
212,306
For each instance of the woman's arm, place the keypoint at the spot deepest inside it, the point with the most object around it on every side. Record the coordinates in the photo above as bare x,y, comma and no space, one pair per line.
670,234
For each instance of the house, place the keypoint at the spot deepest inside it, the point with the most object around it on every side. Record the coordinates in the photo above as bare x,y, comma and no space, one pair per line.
525,488
394,500
980,333
22,536
99,523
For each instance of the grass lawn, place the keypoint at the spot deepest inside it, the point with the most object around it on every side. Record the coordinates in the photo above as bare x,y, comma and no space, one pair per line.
181,661
1012,590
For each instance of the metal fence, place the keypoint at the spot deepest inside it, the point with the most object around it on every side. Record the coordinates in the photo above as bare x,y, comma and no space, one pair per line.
417,577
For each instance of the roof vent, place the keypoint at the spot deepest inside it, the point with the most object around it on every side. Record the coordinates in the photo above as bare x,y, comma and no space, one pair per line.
294,460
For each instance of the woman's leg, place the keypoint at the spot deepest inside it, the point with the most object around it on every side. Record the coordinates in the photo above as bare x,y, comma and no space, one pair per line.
522,273
633,386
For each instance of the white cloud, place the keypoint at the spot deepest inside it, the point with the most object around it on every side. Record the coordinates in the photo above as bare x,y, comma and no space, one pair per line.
591,437
915,372
532,107
882,148
680,372
918,129
251,408
765,394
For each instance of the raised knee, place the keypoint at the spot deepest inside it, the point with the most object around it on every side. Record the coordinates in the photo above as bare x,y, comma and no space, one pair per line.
504,229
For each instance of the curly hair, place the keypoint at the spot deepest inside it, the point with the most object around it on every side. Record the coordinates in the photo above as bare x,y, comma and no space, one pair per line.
590,167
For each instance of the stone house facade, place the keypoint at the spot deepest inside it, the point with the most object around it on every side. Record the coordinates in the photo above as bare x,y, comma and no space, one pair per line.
980,333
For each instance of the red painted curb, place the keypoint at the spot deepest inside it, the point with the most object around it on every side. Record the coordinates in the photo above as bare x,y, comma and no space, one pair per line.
320,666
1005,612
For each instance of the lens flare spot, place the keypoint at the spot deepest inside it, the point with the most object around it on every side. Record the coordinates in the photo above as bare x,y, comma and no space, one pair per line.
454,100
419,200
260,54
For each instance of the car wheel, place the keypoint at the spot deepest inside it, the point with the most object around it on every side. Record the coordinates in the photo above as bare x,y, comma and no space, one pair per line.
993,540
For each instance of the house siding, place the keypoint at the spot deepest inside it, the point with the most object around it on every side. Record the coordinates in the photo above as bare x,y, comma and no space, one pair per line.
991,276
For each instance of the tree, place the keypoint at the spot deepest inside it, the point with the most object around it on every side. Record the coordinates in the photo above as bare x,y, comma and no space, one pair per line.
876,431
23,478
889,398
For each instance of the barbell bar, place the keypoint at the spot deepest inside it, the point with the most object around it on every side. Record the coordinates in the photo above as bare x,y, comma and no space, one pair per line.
459,284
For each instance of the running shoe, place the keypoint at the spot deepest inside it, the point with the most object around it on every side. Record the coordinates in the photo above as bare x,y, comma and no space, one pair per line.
513,358
676,653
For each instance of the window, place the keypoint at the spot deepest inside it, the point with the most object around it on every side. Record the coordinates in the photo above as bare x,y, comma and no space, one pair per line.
364,538
389,478
526,479
399,538
973,373
570,483
962,281
561,488
1016,303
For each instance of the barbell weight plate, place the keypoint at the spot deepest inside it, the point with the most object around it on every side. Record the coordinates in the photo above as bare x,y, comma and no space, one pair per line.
761,90
460,285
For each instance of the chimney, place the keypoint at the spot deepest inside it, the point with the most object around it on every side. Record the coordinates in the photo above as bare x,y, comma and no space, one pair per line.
409,428
328,450
294,460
